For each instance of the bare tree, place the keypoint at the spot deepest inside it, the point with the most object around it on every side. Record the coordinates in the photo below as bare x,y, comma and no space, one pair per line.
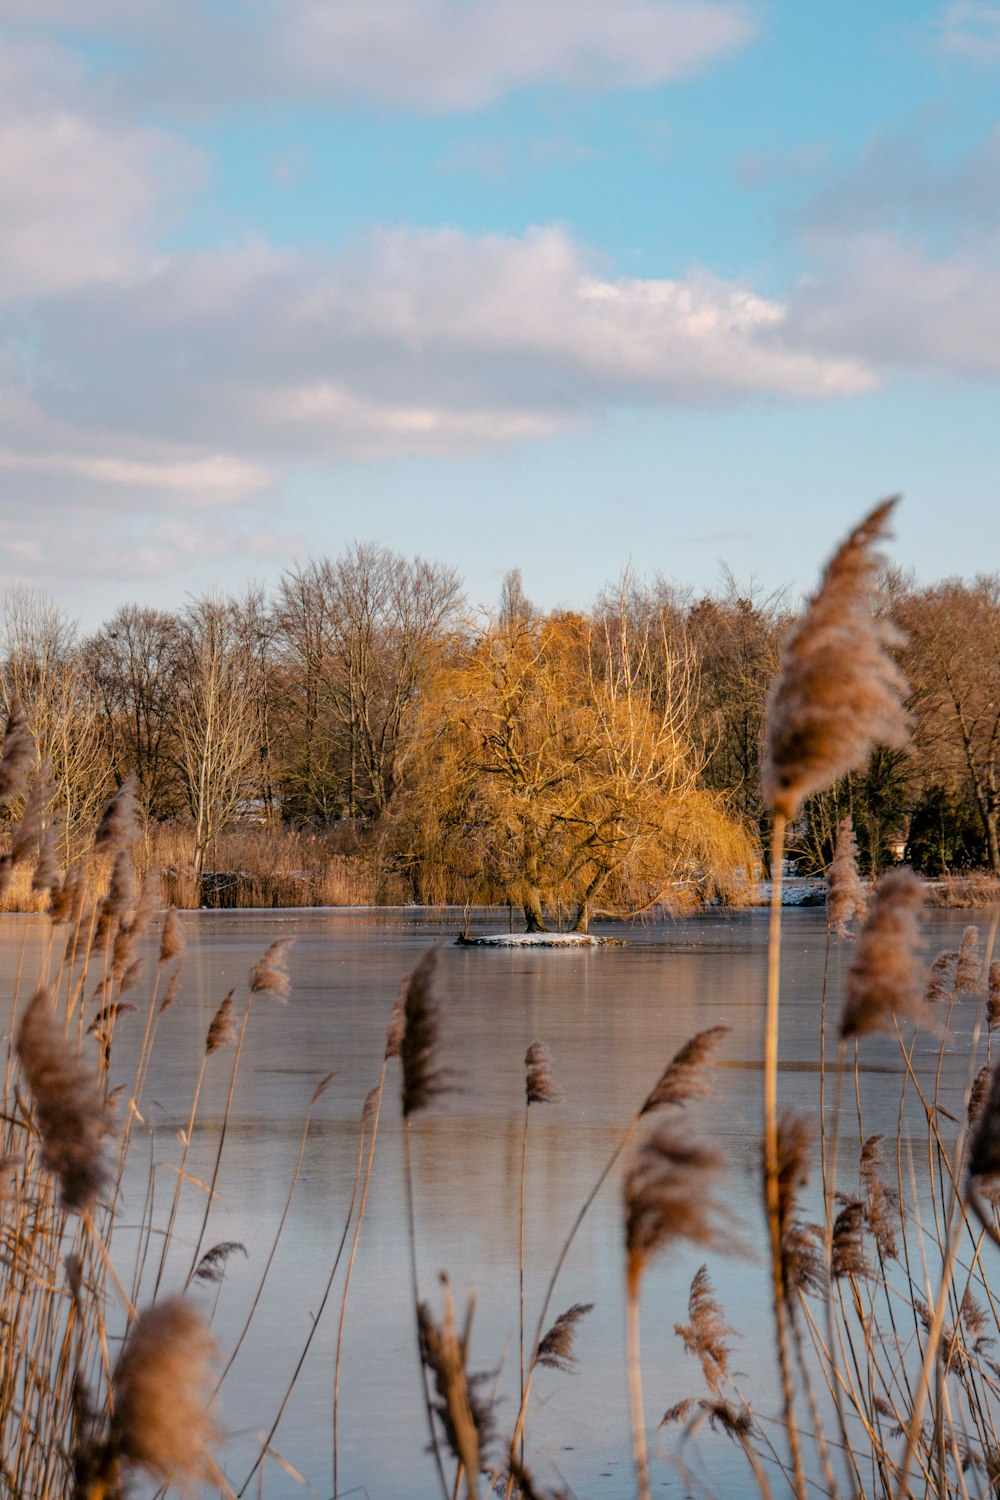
952,659
217,719
42,664
361,633
133,662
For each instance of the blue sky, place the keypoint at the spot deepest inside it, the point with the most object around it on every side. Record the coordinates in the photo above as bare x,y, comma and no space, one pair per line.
668,284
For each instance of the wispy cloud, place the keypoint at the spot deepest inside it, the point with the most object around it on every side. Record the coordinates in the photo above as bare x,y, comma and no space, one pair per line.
970,29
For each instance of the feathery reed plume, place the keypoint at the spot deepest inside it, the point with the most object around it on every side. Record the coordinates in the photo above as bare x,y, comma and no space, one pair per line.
885,980
846,897
528,1487
668,1196
977,1094
212,1266
222,1030
539,1084
119,825
802,1267
883,1203
163,1386
422,1080
69,1106
464,1417
122,885
556,1349
172,937
18,754
983,1162
172,990
969,963
838,692
269,976
397,1023
684,1078
28,832
993,996
64,898
941,979
849,1257
109,1014
132,975
707,1335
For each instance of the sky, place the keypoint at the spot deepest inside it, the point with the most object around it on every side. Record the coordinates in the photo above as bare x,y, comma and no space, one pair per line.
671,285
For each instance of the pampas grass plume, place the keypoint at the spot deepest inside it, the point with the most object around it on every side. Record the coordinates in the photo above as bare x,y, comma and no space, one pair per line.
969,970
222,1031
993,996
422,1079
668,1196
846,897
539,1082
119,825
18,754
838,692
269,976
163,1388
886,980
69,1106
684,1078
172,937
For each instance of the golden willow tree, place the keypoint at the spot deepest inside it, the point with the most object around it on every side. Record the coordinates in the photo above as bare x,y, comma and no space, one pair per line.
557,765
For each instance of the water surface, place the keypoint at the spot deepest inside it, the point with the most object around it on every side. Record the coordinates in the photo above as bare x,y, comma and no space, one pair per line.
612,1018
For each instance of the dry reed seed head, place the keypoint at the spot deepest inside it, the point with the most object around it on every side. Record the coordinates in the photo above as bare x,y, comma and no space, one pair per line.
212,1265
846,898
68,1104
28,832
121,888
684,1077
397,1023
109,1014
848,1256
423,1080
669,1196
222,1031
132,975
528,1487
370,1104
539,1083
556,1349
977,1094
465,1418
882,1207
119,825
993,996
269,976
941,979
802,1264
970,966
172,991
984,1147
707,1335
6,872
172,937
886,980
66,900
163,1387
18,755
838,692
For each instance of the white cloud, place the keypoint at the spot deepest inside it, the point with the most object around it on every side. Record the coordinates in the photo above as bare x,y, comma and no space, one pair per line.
433,55
217,478
901,309
970,29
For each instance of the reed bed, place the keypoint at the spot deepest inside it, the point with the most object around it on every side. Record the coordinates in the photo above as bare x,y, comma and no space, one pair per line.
883,1312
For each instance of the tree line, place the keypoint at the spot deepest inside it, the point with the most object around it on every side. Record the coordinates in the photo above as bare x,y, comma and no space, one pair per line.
593,761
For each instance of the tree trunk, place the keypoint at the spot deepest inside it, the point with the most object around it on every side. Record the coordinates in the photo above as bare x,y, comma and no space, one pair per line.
533,919
582,923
